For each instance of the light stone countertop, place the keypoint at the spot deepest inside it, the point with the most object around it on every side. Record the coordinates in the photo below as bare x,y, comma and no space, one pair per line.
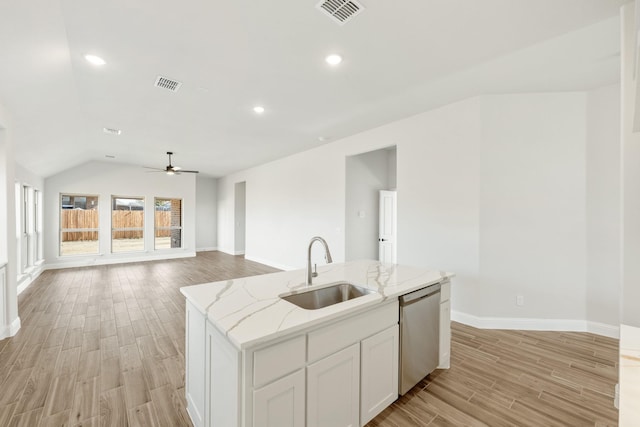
629,415
250,312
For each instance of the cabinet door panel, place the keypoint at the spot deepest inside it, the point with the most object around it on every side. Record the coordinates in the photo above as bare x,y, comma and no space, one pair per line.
379,369
333,390
281,403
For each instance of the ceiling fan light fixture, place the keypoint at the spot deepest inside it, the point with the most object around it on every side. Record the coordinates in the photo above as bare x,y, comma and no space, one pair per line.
170,169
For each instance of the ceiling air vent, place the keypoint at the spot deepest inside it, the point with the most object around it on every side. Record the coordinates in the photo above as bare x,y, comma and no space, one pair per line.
112,131
165,83
341,11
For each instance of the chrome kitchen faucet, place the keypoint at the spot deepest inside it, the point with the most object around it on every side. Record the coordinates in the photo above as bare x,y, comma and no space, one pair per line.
327,256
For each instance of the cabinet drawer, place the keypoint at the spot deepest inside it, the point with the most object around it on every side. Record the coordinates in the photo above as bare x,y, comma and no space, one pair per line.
275,361
341,334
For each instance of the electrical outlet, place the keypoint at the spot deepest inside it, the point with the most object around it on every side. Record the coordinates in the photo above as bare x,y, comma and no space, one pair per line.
520,300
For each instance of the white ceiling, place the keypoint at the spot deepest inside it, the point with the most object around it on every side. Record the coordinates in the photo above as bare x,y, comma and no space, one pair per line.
400,58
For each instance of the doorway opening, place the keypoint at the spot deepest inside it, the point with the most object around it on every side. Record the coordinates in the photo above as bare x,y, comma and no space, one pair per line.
240,215
368,174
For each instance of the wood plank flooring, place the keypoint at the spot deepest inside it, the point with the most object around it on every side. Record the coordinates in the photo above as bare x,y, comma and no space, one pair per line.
104,346
515,378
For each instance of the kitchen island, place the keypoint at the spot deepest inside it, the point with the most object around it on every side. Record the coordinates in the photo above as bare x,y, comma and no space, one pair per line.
255,359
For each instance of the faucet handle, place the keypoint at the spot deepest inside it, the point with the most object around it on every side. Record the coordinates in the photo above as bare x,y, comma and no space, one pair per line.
315,271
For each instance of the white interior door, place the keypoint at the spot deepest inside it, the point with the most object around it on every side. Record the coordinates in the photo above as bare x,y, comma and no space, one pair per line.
387,234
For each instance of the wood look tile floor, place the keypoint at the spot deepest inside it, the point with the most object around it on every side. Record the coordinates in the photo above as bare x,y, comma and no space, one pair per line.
515,378
104,346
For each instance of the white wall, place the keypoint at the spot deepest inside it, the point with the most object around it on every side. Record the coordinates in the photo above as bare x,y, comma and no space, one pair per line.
532,206
240,213
438,194
26,177
603,205
492,188
206,213
295,198
366,175
10,321
106,179
630,176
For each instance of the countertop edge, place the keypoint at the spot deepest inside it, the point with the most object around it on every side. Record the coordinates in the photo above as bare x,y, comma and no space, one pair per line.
195,295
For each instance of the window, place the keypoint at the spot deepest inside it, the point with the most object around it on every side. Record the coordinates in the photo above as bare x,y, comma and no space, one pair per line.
127,224
78,224
37,213
168,223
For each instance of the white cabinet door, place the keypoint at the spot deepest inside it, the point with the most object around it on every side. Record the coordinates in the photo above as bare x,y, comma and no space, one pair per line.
194,376
445,335
280,403
379,373
333,389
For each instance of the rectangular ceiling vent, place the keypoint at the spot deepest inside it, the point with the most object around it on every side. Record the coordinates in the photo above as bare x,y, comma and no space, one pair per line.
112,131
340,11
166,83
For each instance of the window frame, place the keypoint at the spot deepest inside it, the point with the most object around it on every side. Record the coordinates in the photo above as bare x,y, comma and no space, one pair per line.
77,230
142,228
171,227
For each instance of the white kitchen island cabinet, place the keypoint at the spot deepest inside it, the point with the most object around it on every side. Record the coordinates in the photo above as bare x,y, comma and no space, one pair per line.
262,361
379,367
281,403
333,390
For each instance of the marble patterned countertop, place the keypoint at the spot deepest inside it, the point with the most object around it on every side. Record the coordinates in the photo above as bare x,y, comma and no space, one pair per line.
629,414
249,311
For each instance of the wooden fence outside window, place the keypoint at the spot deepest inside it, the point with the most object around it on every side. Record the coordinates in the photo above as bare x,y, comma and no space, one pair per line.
88,219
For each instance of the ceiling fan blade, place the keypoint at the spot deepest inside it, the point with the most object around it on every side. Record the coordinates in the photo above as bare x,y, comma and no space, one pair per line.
170,169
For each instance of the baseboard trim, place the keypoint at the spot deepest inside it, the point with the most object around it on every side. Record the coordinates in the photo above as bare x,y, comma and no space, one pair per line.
10,330
207,249
88,262
29,277
270,263
532,324
604,329
15,326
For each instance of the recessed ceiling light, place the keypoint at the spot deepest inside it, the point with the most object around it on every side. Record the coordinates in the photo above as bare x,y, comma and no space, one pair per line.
324,138
333,59
94,59
258,109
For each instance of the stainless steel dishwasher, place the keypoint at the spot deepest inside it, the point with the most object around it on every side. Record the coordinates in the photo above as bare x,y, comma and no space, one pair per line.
419,335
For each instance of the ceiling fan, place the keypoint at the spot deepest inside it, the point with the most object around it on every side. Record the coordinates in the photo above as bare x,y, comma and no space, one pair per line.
170,169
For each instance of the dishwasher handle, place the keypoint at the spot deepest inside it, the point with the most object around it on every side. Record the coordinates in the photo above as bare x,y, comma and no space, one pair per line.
419,294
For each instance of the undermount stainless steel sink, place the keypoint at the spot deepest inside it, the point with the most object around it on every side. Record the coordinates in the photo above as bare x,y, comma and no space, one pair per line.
330,295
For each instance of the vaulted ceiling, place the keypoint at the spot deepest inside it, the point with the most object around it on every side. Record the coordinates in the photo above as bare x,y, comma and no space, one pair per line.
399,58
